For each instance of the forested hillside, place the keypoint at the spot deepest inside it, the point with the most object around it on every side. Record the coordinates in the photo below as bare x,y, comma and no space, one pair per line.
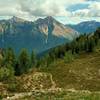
74,66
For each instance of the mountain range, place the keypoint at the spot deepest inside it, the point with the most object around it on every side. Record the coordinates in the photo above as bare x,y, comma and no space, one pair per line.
39,35
85,27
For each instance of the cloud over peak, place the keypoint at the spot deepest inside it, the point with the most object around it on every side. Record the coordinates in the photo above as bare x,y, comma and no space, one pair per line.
32,9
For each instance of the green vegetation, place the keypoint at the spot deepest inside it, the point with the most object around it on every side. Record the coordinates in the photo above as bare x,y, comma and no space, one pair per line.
33,59
23,62
6,73
68,57
81,74
74,65
9,57
10,64
69,51
65,96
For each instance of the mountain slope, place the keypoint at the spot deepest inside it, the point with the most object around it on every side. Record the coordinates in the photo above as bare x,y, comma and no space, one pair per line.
49,24
86,27
83,73
39,35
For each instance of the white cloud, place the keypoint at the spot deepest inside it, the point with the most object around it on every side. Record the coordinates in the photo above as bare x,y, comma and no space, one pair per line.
93,10
32,9
36,7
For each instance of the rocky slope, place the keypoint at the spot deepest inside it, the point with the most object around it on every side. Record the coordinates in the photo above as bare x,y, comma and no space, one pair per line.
39,35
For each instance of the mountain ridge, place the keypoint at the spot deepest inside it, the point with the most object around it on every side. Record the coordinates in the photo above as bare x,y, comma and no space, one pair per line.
86,26
39,35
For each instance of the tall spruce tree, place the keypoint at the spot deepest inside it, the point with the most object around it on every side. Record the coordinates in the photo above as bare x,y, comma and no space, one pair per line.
9,57
33,59
23,62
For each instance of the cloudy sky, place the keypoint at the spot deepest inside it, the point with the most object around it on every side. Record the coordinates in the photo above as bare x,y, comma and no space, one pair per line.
66,11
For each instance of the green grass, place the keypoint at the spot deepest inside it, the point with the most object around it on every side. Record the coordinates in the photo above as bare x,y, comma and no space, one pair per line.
79,72
65,96
82,74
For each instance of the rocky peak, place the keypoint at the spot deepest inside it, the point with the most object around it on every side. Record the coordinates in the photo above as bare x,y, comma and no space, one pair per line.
50,18
16,19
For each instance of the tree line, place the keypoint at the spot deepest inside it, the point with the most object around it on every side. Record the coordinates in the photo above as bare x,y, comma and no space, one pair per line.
12,65
83,43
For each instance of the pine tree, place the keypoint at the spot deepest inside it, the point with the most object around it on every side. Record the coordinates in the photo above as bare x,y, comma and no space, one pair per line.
33,59
9,57
97,32
23,62
91,45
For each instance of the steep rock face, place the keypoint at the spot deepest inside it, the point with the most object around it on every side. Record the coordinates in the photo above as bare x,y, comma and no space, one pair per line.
50,25
61,30
39,35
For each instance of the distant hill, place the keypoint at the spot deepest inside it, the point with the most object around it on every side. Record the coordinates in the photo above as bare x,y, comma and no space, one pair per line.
86,27
39,35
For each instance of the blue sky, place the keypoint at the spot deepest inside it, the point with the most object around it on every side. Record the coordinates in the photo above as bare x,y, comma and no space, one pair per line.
66,11
76,7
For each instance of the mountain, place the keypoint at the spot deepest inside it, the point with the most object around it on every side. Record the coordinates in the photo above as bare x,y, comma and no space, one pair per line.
86,27
39,35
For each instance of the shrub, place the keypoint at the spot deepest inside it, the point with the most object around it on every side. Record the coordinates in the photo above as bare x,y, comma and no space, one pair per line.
14,87
69,57
0,97
6,73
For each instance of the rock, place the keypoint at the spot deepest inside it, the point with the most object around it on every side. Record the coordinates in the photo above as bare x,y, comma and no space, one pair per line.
38,81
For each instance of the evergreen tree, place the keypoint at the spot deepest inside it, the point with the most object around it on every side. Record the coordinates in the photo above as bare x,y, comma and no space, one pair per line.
90,45
97,32
9,57
33,59
23,62
7,73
